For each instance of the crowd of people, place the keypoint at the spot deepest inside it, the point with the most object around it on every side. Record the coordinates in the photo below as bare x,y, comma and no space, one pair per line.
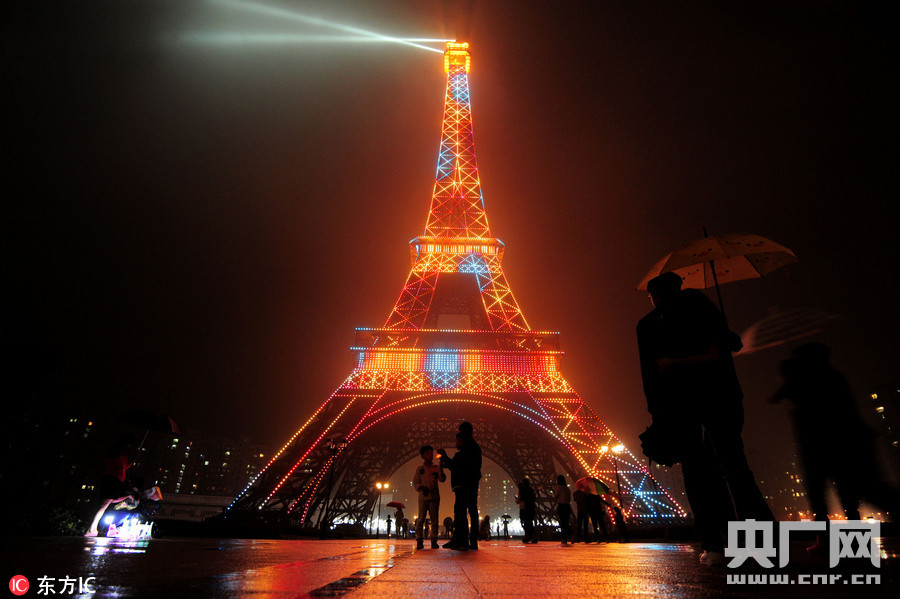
465,530
696,406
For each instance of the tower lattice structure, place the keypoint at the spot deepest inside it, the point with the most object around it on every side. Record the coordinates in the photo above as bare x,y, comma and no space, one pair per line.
416,377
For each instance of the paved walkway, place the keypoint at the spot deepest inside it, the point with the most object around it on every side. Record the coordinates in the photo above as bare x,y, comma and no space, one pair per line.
381,568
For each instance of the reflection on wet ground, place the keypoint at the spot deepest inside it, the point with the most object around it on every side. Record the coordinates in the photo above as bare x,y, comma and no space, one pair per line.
102,546
386,568
349,583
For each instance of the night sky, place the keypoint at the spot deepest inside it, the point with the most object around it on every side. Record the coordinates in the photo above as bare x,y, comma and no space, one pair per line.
198,229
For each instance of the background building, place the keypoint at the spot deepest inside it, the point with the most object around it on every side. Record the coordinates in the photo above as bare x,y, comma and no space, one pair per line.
785,492
200,464
54,455
885,405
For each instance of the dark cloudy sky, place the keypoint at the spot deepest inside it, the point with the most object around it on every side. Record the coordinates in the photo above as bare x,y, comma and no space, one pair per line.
199,229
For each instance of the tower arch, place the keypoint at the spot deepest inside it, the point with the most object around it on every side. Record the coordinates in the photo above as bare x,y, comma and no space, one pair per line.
518,445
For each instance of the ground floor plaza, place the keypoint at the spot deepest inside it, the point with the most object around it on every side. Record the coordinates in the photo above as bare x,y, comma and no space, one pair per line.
182,567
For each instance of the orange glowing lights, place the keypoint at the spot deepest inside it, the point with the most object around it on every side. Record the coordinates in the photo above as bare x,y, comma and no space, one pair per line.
457,55
416,361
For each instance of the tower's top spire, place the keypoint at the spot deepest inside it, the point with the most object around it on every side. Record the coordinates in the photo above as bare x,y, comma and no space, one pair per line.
457,208
457,55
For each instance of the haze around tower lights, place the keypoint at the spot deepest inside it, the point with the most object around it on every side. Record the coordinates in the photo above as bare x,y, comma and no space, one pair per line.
207,197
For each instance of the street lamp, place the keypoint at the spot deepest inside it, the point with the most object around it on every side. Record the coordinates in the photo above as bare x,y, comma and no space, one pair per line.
616,451
335,447
379,486
620,518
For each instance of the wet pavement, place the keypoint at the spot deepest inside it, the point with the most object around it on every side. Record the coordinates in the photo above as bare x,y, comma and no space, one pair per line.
385,568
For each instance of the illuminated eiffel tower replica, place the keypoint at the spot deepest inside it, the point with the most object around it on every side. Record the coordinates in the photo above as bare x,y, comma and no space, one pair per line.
456,346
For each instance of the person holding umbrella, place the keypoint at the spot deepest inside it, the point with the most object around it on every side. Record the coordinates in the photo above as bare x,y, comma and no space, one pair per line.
112,484
718,259
399,519
619,519
581,522
693,392
593,489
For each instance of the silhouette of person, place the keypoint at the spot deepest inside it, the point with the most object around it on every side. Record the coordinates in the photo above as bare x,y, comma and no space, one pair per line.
621,528
426,482
484,532
112,483
581,522
389,520
403,528
564,508
597,513
399,519
527,509
833,441
693,392
468,433
448,526
465,474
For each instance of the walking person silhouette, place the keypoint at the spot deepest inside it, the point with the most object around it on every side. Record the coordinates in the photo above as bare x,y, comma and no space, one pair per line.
564,508
823,410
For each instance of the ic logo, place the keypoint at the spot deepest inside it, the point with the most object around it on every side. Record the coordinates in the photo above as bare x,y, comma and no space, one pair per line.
18,585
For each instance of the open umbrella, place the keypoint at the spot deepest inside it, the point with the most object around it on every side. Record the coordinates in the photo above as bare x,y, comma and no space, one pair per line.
149,421
397,504
718,259
592,486
152,421
784,327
